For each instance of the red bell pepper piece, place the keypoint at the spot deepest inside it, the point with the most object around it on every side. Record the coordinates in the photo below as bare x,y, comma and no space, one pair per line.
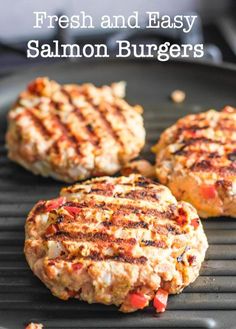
54,204
160,300
77,266
195,223
73,211
208,191
52,229
138,301
182,218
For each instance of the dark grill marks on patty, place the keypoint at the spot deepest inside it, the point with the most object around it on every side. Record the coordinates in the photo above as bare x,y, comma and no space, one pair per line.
100,233
92,136
207,166
117,113
102,189
109,126
144,182
199,153
97,256
95,226
120,211
197,132
224,124
120,258
142,194
102,115
118,219
66,134
192,128
125,224
140,182
192,141
74,140
203,165
102,241
38,123
198,148
125,208
93,237
57,123
151,243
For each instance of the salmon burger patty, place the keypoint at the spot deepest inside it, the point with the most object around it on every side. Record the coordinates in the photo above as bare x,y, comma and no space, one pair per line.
196,159
122,241
72,132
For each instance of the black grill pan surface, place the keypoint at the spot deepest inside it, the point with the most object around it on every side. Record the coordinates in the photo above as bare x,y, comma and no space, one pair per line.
208,303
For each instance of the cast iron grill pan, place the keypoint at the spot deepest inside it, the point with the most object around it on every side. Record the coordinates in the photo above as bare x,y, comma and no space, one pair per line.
208,303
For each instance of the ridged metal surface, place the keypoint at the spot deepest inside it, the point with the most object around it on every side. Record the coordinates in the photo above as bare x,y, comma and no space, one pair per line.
208,303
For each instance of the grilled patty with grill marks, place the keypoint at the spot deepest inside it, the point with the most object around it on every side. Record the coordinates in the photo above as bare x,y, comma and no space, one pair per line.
72,132
196,159
109,238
